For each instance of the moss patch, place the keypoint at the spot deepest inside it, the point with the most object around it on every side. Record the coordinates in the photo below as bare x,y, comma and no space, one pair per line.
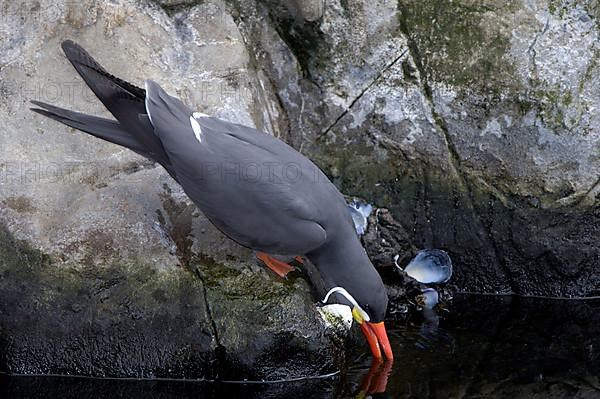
391,182
113,319
462,43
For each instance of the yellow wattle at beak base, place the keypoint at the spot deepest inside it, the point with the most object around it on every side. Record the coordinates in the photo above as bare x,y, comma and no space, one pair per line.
356,314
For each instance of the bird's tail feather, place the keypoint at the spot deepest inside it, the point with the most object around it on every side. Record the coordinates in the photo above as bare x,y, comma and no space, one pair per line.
124,100
105,129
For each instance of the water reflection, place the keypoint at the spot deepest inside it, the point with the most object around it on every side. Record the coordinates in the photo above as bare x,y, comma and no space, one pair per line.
376,379
497,347
483,347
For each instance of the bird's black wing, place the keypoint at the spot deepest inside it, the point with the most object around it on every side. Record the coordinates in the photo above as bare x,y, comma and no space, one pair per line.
269,212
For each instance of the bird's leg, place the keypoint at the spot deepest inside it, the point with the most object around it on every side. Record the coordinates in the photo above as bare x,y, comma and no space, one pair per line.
279,267
298,259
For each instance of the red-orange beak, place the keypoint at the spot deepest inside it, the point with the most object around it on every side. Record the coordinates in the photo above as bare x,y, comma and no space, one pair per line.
377,339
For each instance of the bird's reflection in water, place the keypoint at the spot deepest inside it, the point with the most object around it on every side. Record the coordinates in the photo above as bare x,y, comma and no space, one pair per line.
376,379
424,337
430,334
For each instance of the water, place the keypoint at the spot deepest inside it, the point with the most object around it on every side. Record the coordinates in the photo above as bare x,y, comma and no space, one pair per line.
500,347
483,347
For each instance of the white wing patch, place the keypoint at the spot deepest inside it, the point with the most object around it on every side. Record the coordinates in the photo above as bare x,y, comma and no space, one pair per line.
196,128
146,101
195,125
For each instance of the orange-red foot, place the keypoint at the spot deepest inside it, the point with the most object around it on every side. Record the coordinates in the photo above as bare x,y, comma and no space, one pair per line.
279,267
299,259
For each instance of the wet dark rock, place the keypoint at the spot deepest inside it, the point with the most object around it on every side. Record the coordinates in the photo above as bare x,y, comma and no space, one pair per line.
129,320
97,321
470,351
386,241
75,388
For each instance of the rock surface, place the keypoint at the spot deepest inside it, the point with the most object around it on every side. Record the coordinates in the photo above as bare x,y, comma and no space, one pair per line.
475,124
106,268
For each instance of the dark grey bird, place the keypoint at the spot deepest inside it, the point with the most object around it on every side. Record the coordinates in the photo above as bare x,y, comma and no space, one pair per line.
253,187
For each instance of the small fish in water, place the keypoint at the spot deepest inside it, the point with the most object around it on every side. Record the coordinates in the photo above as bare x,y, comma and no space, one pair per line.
430,266
360,211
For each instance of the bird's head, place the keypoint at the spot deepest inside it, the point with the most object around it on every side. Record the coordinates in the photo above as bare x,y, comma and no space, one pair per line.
368,306
351,279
